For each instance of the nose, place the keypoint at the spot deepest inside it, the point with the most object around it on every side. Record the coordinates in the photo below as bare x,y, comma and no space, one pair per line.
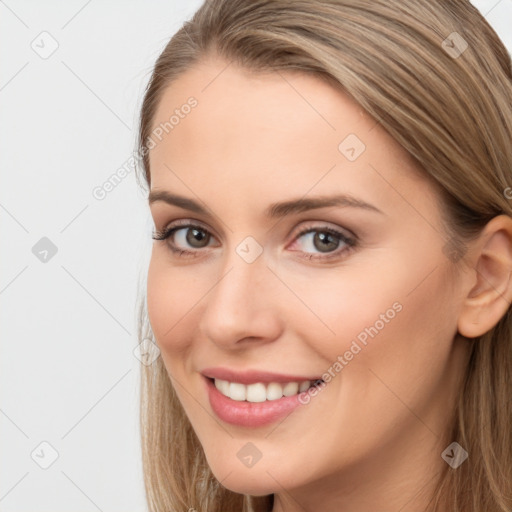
243,305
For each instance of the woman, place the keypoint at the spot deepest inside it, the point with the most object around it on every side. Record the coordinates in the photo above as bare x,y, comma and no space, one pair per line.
329,286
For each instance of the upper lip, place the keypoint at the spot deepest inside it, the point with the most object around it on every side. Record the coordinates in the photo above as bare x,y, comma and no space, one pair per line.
253,376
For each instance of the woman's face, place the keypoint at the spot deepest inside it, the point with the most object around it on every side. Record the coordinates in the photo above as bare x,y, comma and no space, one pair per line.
316,252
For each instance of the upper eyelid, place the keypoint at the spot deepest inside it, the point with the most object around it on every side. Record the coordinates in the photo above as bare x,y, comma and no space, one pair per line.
343,231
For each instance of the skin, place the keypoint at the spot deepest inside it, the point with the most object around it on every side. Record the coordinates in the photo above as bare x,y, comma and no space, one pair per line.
372,438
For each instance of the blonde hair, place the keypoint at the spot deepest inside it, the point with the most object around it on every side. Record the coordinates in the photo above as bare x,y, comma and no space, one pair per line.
452,113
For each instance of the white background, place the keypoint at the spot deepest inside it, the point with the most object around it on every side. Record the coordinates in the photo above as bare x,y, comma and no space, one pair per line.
68,375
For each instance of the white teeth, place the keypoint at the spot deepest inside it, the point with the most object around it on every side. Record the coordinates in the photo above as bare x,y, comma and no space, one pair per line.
274,391
258,392
237,391
222,386
292,388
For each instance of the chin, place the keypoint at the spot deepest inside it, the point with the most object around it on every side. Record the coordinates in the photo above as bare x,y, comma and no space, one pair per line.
242,480
250,485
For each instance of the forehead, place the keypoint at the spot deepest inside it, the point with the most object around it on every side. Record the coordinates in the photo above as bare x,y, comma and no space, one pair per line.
248,127
271,98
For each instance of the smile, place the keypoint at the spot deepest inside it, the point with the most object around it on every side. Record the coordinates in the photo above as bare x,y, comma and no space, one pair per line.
254,404
259,392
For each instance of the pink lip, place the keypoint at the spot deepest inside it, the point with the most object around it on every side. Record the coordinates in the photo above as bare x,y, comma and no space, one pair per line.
253,376
248,414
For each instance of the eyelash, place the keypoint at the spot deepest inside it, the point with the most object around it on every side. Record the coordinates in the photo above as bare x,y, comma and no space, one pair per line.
350,243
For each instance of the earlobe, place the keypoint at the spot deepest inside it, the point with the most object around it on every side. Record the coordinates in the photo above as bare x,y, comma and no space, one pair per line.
490,294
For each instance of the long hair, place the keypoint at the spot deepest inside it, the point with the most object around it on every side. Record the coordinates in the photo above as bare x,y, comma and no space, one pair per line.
437,78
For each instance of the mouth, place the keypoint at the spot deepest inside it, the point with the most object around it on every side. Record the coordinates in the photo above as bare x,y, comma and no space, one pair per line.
256,404
260,391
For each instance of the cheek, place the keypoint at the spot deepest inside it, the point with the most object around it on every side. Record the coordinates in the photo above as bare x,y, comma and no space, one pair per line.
346,306
393,322
169,300
175,300
397,293
158,303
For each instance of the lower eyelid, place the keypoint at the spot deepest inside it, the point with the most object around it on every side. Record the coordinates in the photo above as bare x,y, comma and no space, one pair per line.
337,253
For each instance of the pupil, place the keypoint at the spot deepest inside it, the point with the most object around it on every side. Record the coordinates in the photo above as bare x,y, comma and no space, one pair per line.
195,237
325,242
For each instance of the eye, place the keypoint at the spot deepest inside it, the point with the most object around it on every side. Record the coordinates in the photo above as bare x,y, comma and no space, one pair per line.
316,241
320,242
182,238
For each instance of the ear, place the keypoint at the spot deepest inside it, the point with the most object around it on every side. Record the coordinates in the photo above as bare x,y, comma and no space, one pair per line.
490,293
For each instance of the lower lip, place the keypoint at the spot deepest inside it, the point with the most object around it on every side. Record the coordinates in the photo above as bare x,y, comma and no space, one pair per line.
249,414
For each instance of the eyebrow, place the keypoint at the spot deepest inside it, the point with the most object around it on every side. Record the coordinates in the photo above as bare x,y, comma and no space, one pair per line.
275,210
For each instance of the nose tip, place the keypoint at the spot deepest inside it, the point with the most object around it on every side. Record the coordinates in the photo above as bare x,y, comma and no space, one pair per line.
242,306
